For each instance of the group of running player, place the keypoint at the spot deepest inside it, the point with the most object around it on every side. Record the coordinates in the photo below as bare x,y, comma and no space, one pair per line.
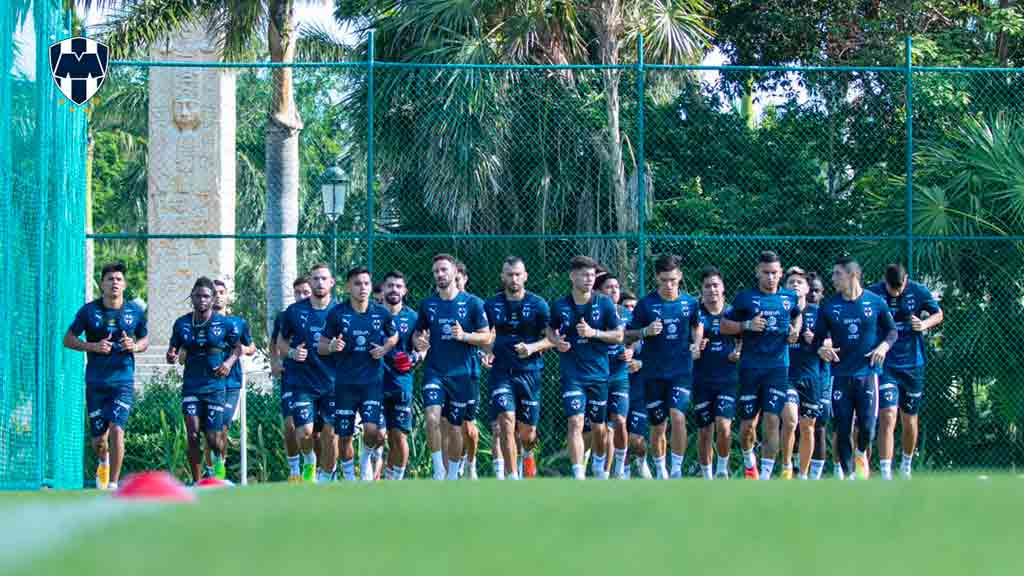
630,370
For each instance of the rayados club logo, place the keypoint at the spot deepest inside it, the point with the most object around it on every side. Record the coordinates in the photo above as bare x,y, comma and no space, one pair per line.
79,67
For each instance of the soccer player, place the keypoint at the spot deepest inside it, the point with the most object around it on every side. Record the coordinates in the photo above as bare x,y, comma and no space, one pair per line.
668,321
582,326
115,330
619,357
300,290
770,318
915,311
310,378
715,379
518,319
398,367
210,344
815,296
358,335
805,377
860,331
452,324
234,387
637,420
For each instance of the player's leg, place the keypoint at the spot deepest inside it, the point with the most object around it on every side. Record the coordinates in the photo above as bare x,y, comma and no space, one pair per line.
809,391
703,418
503,402
97,403
911,399
231,398
455,411
749,410
843,408
303,415
638,428
470,437
618,411
212,404
888,406
866,407
724,412
659,396
574,402
773,398
399,414
344,427
433,401
597,413
120,410
789,417
369,411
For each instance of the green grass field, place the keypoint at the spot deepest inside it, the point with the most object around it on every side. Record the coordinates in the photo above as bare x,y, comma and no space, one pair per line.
938,525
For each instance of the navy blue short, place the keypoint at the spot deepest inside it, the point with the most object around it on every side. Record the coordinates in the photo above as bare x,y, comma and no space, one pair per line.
515,391
397,409
763,389
585,396
618,397
350,398
231,396
454,395
666,394
108,404
636,423
825,402
312,407
903,387
714,400
207,406
809,395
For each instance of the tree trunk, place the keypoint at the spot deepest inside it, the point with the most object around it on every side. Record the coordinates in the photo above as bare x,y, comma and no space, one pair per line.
1003,39
282,163
607,21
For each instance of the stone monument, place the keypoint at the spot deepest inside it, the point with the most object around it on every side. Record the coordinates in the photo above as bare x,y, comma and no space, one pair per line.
191,176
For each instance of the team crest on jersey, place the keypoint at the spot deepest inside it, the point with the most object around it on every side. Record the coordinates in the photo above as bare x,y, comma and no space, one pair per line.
462,310
376,323
527,311
868,312
595,315
786,304
403,326
128,319
216,330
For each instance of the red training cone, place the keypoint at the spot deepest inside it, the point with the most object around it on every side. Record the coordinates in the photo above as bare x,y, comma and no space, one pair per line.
154,485
214,483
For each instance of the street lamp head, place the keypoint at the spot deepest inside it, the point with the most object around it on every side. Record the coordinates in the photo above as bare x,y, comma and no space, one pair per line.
334,188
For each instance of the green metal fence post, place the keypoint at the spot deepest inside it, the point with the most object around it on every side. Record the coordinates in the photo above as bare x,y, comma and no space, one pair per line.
641,174
910,157
370,171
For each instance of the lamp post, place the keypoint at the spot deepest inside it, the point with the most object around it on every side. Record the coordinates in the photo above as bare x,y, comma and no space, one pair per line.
334,188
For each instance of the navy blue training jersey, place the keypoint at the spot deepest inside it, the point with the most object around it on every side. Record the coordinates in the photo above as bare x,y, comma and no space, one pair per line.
245,338
360,331
405,325
514,322
667,355
909,349
768,349
448,357
302,323
804,362
207,345
587,360
617,368
856,328
99,322
714,366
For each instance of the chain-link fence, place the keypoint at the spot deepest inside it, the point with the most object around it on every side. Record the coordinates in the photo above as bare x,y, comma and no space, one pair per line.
42,264
619,163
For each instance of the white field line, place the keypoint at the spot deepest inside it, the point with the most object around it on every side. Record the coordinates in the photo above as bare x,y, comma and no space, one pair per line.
29,531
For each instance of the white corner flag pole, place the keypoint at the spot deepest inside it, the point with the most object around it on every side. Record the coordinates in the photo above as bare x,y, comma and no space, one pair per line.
243,448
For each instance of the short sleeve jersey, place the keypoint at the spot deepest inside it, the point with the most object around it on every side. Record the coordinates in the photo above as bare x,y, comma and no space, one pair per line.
713,366
303,323
245,338
856,328
617,367
587,360
448,357
515,322
405,324
804,362
667,355
98,323
206,345
767,349
360,331
909,349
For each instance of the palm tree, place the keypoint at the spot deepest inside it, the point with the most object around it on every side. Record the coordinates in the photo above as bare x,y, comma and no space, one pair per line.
138,24
533,32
